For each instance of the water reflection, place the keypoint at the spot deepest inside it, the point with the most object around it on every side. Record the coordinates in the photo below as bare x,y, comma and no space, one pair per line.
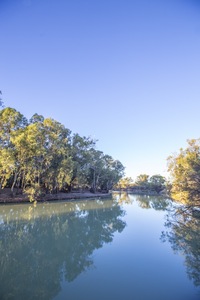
157,203
183,233
144,201
182,229
44,247
39,246
123,197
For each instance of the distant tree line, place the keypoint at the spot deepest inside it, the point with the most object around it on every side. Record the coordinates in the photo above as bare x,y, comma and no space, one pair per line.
40,156
144,184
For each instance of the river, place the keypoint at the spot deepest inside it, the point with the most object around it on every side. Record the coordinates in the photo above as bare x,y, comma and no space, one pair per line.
129,247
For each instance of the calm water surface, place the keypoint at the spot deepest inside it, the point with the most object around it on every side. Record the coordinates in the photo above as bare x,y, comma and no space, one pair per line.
128,247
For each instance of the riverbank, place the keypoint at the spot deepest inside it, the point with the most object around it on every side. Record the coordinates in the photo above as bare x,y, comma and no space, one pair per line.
6,197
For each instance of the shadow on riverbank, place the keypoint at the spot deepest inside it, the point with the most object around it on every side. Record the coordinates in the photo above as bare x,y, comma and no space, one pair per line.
7,197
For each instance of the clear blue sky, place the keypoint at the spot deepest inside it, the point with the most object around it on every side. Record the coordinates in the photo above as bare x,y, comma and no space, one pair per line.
126,72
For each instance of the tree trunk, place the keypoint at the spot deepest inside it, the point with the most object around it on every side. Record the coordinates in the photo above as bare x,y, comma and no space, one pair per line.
13,185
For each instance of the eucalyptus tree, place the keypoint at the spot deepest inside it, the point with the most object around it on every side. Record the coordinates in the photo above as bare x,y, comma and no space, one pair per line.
10,122
104,171
157,182
34,156
48,165
112,172
12,125
124,183
42,156
81,156
185,173
95,168
58,160
36,119
142,180
8,166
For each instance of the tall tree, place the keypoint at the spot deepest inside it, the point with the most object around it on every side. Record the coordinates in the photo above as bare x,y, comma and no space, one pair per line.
12,124
10,121
81,156
95,167
157,182
41,156
124,183
142,179
112,172
48,164
185,173
105,172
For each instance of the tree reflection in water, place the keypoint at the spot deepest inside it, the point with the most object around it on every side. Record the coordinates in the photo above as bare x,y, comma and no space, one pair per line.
36,254
183,233
183,228
155,202
144,201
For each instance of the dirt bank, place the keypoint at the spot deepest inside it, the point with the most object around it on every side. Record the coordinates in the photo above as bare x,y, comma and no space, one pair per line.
5,196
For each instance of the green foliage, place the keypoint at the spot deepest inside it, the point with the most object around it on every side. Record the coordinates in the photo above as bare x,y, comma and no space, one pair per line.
142,179
104,171
80,149
11,121
143,183
185,173
7,166
36,119
42,156
124,183
157,182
